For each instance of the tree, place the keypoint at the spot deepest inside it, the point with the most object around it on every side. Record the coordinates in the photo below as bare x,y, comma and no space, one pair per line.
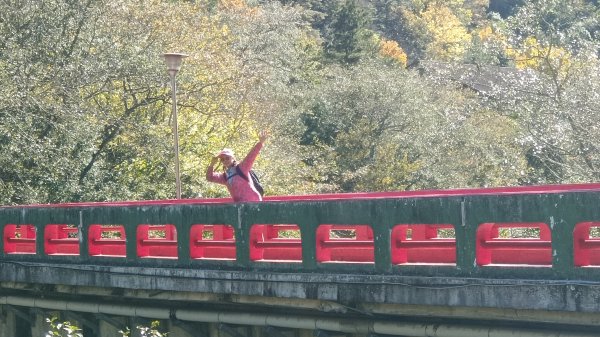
377,127
346,35
556,45
87,105
505,8
40,115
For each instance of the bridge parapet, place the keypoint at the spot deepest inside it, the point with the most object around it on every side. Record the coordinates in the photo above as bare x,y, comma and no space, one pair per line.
388,234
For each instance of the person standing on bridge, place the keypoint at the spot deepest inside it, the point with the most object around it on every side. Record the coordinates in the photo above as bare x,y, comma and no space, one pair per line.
241,188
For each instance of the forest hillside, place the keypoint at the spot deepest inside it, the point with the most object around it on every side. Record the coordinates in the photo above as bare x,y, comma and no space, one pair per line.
381,95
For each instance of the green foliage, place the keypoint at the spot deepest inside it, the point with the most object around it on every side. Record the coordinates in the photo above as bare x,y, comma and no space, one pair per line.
347,35
62,329
358,128
152,330
85,105
505,7
572,25
556,99
71,92
519,232
67,329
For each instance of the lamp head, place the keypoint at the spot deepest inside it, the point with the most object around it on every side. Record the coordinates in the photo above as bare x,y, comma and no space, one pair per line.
174,61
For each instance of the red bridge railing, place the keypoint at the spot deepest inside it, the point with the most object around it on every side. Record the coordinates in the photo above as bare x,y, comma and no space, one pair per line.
467,231
411,244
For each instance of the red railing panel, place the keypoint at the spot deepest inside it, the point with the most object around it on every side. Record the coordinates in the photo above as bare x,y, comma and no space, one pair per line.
420,243
19,239
61,239
492,249
359,248
268,243
106,241
212,242
157,241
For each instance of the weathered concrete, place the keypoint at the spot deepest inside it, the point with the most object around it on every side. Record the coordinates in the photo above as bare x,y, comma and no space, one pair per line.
7,322
336,292
40,326
106,329
239,324
175,331
213,330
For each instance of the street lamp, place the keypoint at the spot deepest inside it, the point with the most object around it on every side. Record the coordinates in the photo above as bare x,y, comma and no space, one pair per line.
174,61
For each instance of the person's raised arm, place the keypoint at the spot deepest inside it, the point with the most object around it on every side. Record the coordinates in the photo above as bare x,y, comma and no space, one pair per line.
211,175
246,164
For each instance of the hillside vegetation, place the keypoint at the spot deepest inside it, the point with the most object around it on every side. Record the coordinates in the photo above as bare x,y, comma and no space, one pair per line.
381,95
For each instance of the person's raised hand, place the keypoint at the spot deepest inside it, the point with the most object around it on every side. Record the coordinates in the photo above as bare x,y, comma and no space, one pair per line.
263,135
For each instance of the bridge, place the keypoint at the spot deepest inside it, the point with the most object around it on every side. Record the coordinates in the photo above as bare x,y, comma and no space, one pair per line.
475,262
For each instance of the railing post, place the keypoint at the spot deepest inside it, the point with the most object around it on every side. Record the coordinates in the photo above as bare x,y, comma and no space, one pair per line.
308,233
40,241
465,231
562,244
382,244
83,230
242,236
130,240
179,219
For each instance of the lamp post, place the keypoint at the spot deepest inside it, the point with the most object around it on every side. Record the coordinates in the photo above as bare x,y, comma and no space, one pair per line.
174,61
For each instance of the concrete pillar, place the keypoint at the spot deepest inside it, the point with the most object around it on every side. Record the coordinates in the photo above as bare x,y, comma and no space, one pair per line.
134,322
7,323
40,326
187,329
257,331
175,331
305,333
213,330
106,329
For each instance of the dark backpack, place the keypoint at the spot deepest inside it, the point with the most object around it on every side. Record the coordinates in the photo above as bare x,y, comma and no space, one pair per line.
254,177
